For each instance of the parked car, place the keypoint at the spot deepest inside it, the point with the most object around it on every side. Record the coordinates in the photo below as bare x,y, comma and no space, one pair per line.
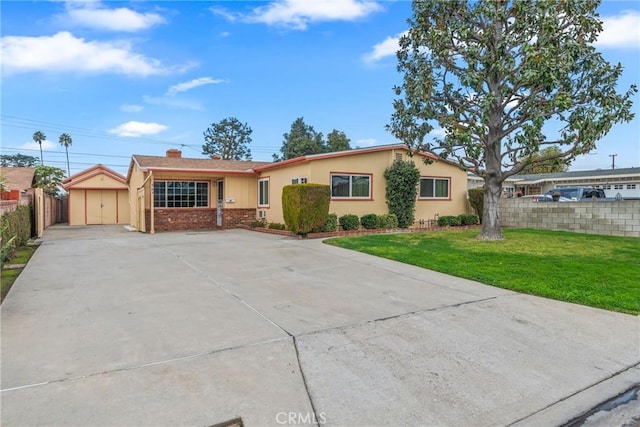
543,198
579,193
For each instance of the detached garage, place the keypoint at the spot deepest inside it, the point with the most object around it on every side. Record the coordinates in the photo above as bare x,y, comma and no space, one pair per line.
97,195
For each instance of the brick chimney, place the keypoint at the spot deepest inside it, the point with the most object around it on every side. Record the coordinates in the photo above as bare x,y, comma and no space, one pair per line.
216,157
174,154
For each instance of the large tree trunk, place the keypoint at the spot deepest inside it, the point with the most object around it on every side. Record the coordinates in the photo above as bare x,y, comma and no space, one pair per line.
491,229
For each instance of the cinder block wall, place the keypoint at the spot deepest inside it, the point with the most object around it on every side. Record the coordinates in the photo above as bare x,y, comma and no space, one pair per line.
617,218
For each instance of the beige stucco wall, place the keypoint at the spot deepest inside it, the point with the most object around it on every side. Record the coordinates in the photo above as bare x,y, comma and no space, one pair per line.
100,181
319,172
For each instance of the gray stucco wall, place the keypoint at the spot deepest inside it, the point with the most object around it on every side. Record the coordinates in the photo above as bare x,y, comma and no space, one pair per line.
618,218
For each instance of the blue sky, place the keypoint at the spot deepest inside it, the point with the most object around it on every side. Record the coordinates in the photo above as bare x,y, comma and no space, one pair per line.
141,77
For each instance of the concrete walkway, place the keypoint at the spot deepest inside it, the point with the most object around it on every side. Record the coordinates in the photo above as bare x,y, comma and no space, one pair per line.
109,327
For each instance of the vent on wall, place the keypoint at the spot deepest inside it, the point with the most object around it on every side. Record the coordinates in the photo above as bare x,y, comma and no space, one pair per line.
262,214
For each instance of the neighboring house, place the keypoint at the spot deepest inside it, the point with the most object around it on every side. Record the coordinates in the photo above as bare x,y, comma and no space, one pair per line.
175,193
18,184
625,181
20,179
97,195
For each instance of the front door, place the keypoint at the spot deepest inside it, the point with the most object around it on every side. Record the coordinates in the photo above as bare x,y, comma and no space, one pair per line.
220,204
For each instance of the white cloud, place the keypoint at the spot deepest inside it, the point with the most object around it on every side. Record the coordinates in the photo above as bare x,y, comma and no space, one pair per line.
298,14
621,31
185,86
367,142
65,52
46,145
387,47
94,15
129,108
137,129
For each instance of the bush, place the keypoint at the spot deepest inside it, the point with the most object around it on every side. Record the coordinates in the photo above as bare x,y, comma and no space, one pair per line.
277,226
476,200
468,219
446,220
349,222
15,225
305,207
369,221
387,221
331,224
259,223
402,188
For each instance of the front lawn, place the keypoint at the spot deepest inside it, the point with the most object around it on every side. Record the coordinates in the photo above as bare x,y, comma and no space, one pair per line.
593,270
8,276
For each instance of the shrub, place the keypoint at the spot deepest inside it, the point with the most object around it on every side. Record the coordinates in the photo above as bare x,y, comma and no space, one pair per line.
446,220
402,188
468,219
476,200
16,229
276,226
305,207
258,223
387,221
349,222
369,221
331,224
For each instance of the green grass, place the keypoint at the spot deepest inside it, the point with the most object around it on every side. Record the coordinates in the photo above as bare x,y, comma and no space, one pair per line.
593,270
7,277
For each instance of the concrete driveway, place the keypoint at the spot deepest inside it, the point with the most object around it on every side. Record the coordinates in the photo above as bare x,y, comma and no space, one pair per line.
109,327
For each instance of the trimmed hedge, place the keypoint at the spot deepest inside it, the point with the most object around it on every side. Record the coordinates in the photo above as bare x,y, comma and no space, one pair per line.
446,220
369,221
387,221
468,219
331,224
15,224
402,189
349,222
305,207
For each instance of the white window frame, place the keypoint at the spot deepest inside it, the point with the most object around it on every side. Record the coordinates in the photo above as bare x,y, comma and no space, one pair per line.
434,188
165,197
261,189
350,177
299,180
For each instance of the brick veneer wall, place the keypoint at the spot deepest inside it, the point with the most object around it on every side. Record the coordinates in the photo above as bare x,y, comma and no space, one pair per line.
197,219
616,218
232,218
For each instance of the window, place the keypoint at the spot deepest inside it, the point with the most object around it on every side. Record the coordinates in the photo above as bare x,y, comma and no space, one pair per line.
180,194
631,186
618,187
298,180
606,187
263,192
434,188
351,186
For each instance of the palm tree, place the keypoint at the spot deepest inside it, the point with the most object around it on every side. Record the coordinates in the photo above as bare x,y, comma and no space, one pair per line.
38,137
65,140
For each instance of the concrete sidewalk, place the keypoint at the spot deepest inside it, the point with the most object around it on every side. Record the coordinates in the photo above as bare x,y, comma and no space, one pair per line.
108,327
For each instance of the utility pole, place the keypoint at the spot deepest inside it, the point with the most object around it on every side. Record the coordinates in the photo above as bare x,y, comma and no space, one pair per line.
613,160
